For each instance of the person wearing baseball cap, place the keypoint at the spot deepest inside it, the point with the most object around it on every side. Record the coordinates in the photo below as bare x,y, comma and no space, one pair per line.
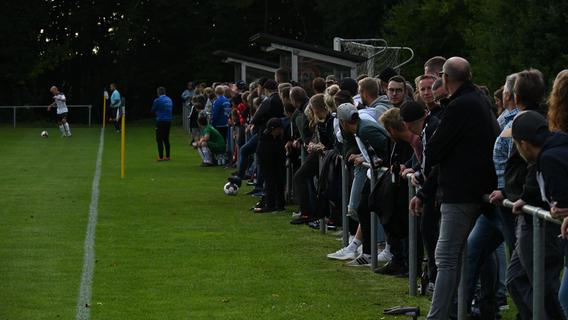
371,138
424,124
549,152
272,159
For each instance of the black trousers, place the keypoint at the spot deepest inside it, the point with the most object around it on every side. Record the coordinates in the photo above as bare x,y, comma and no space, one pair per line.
274,183
163,137
302,180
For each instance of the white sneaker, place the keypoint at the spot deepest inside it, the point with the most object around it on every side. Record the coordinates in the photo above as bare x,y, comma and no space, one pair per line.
343,254
384,256
363,260
296,215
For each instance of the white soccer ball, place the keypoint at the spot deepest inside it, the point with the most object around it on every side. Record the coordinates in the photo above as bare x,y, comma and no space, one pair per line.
44,134
231,189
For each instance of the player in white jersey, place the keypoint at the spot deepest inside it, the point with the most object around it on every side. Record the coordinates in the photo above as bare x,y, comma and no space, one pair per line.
59,101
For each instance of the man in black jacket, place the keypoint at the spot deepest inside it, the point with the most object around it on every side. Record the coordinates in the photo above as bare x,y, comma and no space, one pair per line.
462,147
548,154
270,108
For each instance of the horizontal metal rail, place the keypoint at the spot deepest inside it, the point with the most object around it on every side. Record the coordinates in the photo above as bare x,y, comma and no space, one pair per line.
14,108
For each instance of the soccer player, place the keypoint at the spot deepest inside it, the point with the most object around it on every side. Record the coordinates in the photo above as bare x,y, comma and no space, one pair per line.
59,101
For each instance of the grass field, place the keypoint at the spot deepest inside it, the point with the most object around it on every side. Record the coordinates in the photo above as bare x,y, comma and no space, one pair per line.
169,243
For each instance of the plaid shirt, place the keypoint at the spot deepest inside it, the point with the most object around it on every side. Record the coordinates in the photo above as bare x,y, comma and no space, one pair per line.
503,145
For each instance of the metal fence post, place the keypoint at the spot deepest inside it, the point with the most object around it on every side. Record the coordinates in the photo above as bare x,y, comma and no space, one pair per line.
322,224
462,289
14,117
412,243
344,201
374,223
538,268
540,216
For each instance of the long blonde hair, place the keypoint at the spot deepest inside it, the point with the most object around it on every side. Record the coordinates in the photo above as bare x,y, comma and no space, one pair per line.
558,103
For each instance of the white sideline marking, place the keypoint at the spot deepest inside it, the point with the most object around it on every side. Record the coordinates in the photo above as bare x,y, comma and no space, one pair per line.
84,299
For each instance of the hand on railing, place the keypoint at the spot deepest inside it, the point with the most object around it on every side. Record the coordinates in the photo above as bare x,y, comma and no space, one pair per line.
558,213
406,172
496,197
356,159
518,206
416,206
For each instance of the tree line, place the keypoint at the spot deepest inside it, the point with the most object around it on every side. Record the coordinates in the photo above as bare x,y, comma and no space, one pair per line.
83,45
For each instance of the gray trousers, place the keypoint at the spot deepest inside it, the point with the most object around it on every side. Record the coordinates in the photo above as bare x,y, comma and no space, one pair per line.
455,225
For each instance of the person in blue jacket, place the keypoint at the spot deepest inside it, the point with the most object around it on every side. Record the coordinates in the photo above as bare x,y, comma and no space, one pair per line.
219,116
162,107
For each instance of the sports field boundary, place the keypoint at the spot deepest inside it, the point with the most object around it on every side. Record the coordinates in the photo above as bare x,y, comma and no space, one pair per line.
85,291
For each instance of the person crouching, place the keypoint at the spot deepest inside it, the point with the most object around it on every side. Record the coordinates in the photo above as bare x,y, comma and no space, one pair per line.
210,143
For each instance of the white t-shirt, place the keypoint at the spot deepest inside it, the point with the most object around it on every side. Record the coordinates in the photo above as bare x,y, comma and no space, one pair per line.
60,102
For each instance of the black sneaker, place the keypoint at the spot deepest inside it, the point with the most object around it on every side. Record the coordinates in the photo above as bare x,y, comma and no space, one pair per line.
314,224
236,180
331,225
391,268
302,220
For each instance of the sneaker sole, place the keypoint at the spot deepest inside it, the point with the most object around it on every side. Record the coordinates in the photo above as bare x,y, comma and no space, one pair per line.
340,258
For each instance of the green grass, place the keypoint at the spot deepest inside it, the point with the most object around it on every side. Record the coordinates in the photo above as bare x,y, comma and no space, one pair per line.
169,243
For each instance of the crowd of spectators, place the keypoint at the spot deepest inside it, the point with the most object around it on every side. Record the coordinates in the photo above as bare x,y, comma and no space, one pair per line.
443,132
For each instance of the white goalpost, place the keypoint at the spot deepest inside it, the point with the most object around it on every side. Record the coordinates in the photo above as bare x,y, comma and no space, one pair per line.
378,53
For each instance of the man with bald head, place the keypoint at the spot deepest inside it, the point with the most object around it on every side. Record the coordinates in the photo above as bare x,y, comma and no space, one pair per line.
462,149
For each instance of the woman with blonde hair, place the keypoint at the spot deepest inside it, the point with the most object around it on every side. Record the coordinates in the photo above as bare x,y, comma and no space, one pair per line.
329,97
321,122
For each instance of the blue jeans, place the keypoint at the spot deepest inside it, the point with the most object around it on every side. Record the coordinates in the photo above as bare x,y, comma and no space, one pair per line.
563,293
359,179
245,153
455,225
483,264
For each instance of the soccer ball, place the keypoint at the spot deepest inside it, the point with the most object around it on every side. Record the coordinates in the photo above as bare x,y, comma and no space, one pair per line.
231,189
44,134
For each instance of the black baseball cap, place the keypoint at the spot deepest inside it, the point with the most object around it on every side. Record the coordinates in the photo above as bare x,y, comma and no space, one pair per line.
530,126
272,124
411,111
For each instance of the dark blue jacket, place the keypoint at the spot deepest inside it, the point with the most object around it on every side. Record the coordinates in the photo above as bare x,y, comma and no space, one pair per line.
162,107
552,164
552,171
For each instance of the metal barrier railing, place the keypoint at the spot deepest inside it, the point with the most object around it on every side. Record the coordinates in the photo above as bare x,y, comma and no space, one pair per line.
539,217
14,108
412,242
344,201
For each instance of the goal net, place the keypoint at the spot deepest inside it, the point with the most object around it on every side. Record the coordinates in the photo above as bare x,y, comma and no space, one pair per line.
378,53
